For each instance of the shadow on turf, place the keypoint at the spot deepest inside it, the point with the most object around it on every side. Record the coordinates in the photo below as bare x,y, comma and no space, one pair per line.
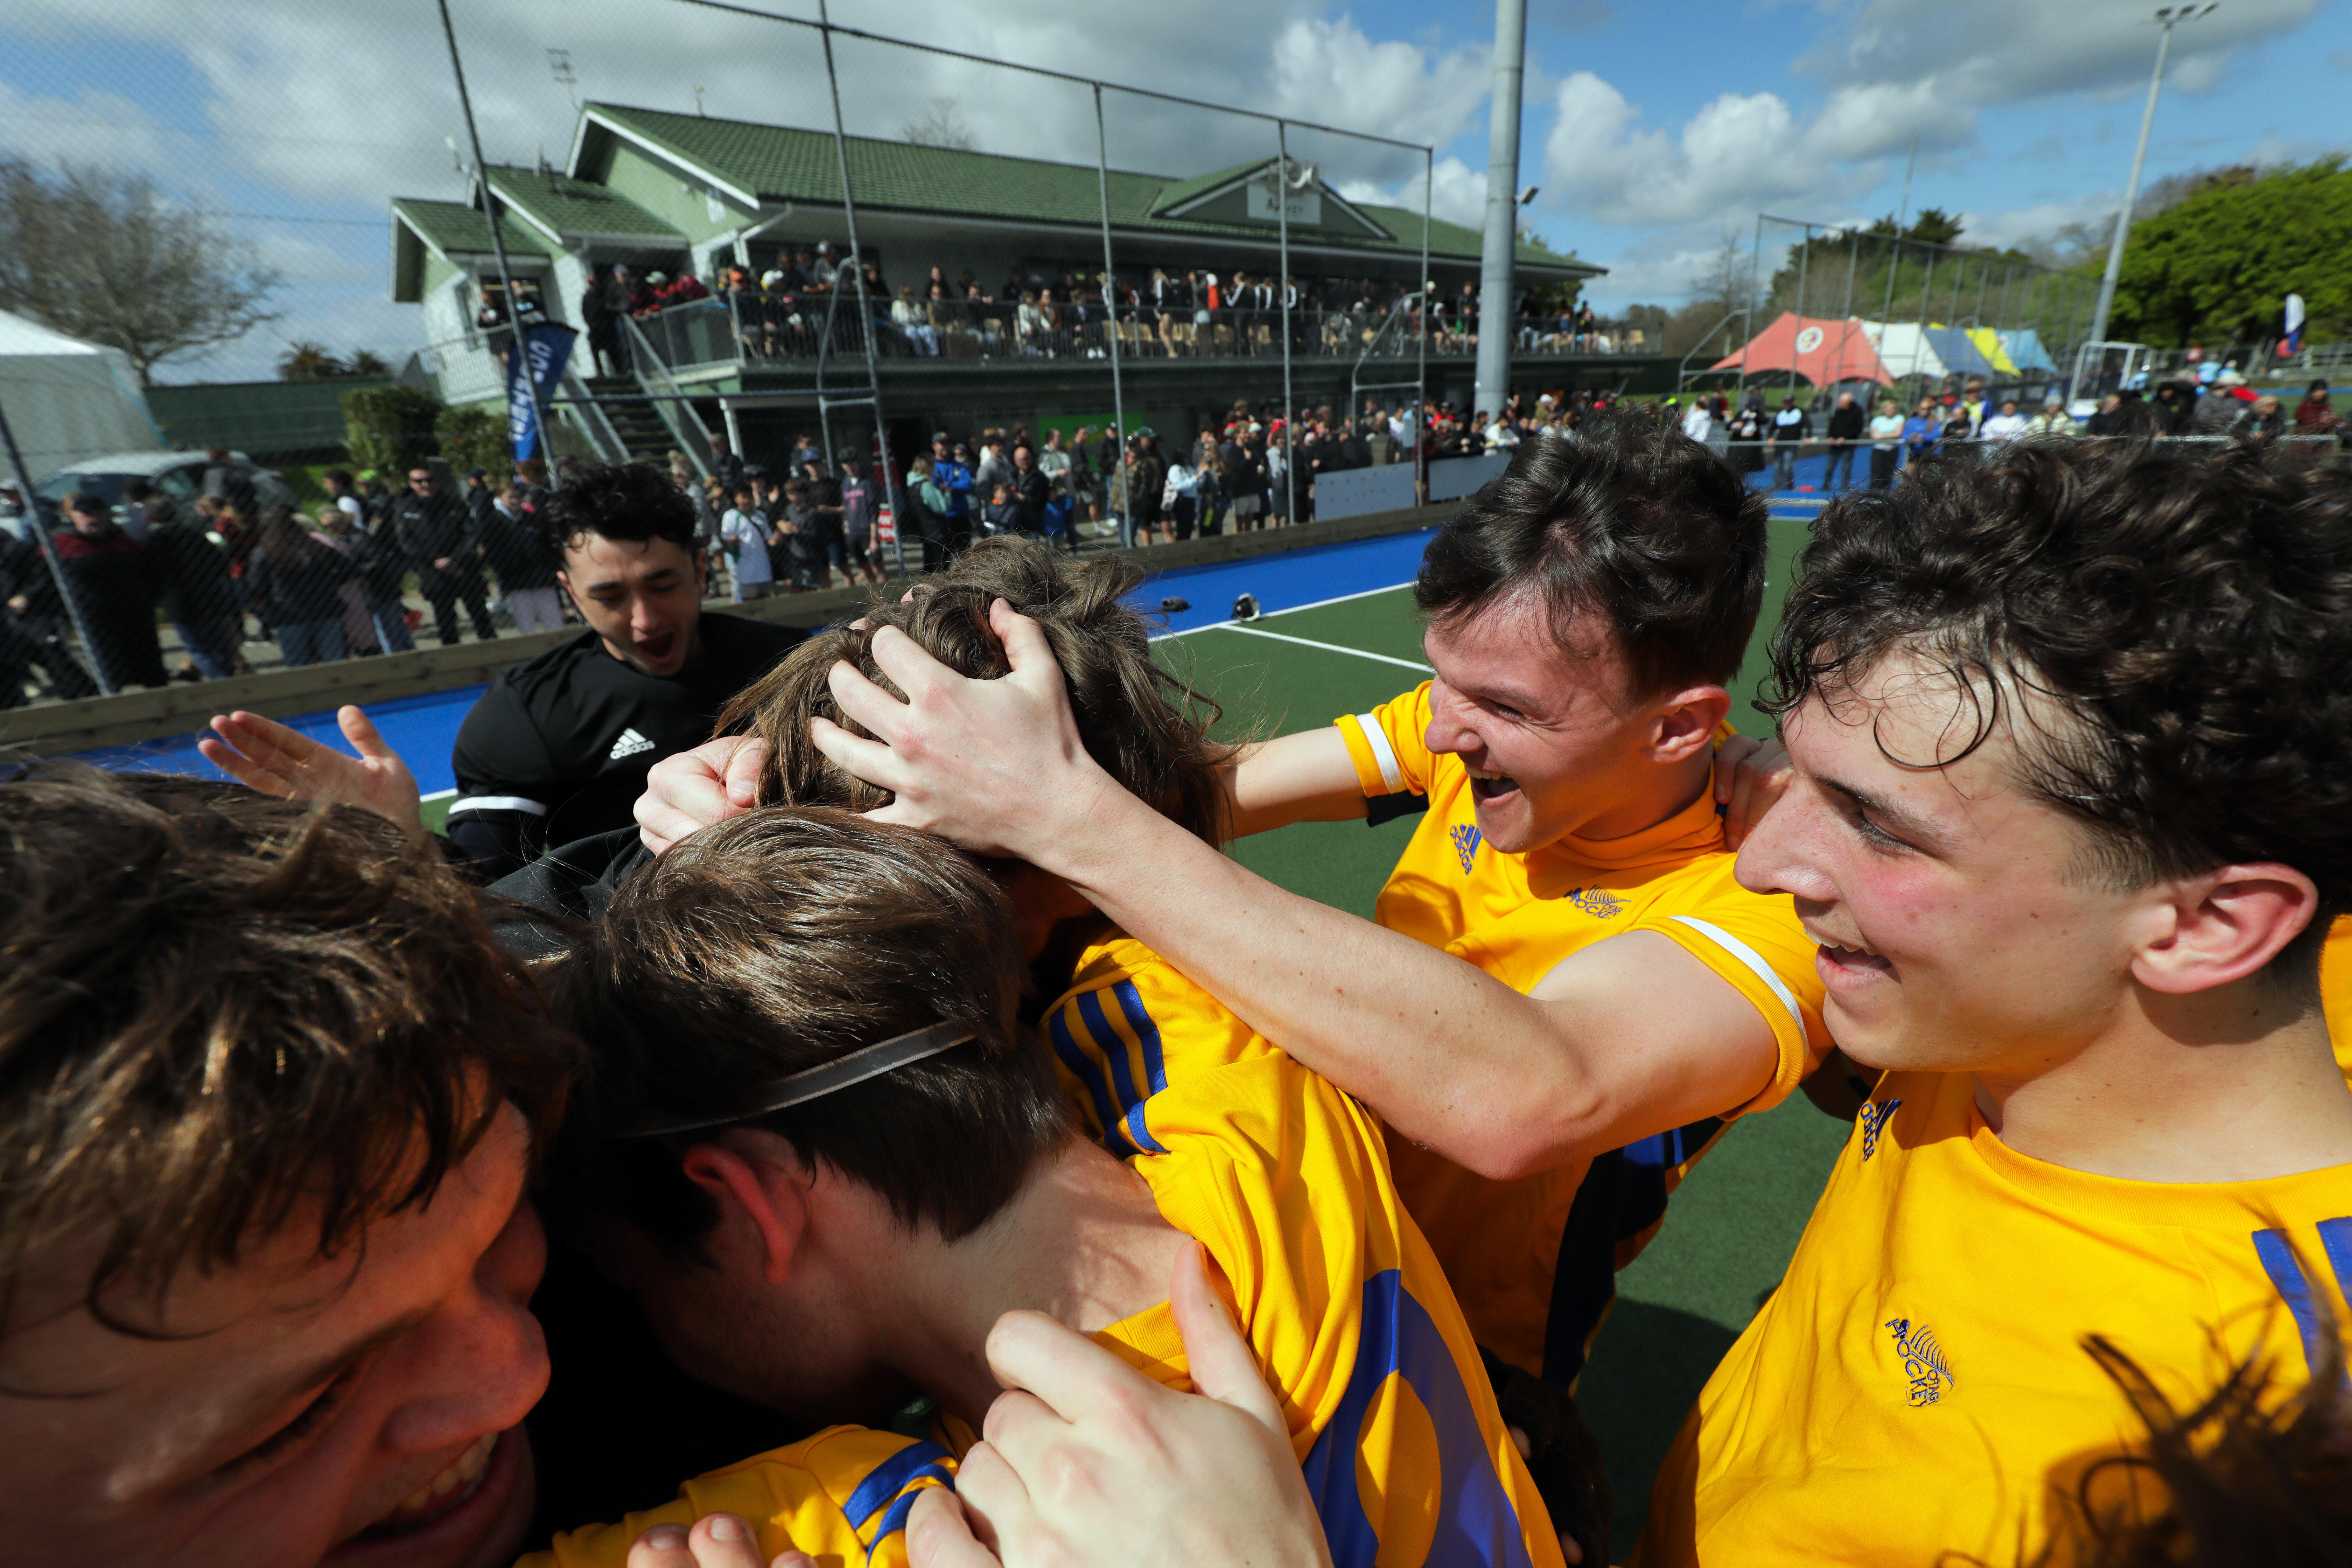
1648,1365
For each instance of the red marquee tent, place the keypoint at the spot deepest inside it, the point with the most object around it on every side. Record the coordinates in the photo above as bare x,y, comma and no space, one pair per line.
1823,350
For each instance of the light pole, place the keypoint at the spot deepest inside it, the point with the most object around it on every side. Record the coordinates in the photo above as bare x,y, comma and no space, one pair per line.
1498,248
2166,20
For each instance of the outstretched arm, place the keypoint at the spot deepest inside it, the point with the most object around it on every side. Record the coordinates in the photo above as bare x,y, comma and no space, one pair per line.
1628,1038
264,756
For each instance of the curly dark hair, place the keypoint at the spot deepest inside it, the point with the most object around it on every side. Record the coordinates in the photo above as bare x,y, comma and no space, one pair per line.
2178,623
1643,527
630,501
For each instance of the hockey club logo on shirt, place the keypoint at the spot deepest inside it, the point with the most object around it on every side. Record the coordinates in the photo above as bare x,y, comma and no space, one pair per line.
1466,845
1599,905
1874,1118
1922,1361
628,745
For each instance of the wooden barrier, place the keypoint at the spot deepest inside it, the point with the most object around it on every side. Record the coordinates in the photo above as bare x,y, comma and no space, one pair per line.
151,714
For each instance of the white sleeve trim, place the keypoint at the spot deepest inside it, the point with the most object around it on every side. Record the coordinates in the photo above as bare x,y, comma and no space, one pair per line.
1755,962
496,802
1391,774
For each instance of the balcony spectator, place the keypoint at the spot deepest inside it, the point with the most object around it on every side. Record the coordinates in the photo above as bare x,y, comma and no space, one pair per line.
1886,441
1843,430
294,582
908,317
35,631
192,583
516,548
743,537
382,575
108,575
437,535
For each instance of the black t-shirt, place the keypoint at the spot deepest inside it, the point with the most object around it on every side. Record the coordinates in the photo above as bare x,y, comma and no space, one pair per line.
558,748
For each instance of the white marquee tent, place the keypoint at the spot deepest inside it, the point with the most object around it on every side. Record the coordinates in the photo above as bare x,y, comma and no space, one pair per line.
67,400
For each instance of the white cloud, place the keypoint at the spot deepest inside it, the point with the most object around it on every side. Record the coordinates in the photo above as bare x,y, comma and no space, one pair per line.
1459,195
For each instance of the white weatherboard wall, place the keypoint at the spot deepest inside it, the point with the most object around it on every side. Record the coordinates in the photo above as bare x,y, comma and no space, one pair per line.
67,400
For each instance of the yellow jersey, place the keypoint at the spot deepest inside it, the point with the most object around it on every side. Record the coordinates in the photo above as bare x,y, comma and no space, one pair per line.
1534,1260
842,1497
2336,989
1916,1385
1285,1181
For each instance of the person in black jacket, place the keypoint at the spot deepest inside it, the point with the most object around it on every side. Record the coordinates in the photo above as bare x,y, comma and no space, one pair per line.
517,551
1844,433
383,575
193,583
443,546
1031,491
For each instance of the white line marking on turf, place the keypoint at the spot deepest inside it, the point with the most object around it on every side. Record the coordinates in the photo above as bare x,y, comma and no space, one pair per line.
1340,599
438,794
1328,646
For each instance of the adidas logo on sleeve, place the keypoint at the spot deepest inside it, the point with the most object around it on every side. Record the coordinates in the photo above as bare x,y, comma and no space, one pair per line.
629,744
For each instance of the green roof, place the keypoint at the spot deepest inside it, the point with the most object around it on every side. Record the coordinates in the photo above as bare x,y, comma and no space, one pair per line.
772,164
571,206
457,227
1183,191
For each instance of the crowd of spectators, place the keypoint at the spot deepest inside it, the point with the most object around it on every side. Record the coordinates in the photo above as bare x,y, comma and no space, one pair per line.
87,590
806,303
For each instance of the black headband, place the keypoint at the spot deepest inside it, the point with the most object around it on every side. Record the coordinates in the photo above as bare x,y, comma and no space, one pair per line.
813,1083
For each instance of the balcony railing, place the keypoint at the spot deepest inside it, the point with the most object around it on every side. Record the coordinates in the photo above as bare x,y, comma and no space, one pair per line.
756,329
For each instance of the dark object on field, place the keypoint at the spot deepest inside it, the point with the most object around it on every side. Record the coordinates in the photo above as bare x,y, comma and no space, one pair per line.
1174,607
1245,608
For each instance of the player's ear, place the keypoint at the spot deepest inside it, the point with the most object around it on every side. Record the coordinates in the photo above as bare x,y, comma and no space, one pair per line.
2221,926
761,1187
1685,722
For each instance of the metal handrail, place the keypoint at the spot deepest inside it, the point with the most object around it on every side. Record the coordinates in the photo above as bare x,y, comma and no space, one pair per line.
678,415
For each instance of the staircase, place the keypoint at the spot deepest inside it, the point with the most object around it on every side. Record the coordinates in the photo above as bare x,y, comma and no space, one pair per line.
635,421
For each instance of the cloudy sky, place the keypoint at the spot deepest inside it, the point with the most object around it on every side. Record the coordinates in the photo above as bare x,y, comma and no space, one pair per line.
1651,129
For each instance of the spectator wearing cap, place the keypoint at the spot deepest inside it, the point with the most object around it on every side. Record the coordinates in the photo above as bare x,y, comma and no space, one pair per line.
107,574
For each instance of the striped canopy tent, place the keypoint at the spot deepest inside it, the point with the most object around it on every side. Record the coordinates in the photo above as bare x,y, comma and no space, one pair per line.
2025,350
1989,343
1823,350
1959,351
1905,349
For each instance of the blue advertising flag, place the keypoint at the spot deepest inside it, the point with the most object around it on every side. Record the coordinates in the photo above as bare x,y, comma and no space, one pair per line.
547,349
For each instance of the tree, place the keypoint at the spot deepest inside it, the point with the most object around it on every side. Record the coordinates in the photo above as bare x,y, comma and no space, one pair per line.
390,428
2222,261
474,435
368,362
940,127
103,257
309,362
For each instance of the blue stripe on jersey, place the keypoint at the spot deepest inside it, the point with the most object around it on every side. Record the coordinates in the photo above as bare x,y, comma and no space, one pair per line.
895,1519
1475,1521
1122,1073
2335,1236
2286,1275
1139,1018
884,1480
1088,1073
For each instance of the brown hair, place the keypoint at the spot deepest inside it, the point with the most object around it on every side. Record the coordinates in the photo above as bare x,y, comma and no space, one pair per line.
774,942
1643,529
1148,729
220,1011
2185,620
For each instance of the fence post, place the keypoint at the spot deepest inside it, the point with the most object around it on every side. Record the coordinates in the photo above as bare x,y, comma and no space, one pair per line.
49,554
1289,409
1110,304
